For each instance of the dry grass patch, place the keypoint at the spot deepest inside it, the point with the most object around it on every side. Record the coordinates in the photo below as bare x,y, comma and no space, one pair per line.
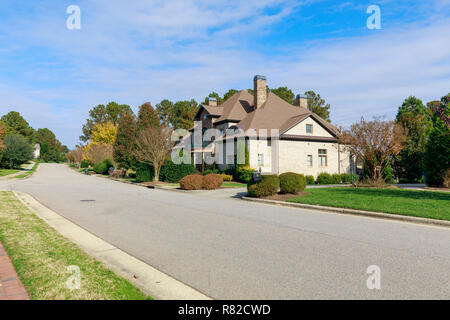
41,257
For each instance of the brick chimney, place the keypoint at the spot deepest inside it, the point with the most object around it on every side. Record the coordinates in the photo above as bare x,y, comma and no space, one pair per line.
211,101
260,90
302,101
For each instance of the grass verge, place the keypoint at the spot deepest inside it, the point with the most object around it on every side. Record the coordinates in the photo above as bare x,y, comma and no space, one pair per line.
41,257
7,172
426,204
28,173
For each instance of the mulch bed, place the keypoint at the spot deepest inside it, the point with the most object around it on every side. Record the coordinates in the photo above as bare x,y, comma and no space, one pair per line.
287,196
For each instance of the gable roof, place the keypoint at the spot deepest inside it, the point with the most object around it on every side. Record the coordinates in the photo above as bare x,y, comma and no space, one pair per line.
213,111
275,113
236,107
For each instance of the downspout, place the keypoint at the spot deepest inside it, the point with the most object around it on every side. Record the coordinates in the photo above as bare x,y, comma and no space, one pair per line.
339,159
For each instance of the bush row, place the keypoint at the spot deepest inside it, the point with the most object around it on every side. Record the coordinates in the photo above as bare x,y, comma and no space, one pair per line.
326,178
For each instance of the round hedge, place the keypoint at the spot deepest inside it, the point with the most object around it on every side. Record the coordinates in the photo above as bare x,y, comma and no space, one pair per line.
192,182
103,167
291,182
212,181
268,186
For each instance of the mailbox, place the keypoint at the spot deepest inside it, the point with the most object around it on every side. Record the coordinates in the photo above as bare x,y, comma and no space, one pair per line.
256,176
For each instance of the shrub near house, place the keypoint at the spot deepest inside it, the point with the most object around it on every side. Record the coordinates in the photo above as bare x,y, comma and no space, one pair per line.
211,181
268,186
292,182
192,182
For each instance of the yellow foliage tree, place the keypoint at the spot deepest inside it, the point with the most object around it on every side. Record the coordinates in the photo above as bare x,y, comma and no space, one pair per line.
104,133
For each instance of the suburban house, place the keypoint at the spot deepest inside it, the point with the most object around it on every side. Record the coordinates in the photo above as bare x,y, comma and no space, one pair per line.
279,137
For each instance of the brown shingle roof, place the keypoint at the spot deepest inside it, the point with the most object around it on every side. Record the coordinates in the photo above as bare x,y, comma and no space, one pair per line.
237,106
275,113
214,111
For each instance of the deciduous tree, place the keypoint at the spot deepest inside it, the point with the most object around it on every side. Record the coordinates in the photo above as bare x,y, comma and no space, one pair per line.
17,151
16,124
104,133
153,145
375,142
100,114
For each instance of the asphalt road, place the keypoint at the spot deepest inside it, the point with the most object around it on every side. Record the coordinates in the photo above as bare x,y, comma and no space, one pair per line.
232,249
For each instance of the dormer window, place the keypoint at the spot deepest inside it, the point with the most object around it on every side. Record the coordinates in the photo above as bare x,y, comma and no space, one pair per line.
309,128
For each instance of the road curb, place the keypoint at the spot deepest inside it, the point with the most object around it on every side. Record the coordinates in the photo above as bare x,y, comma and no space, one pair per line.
371,214
152,281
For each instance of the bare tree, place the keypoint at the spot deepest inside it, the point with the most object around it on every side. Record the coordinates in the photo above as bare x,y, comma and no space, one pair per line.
75,156
376,142
153,145
96,153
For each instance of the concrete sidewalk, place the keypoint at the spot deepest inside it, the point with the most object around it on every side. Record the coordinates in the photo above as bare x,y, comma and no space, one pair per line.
11,288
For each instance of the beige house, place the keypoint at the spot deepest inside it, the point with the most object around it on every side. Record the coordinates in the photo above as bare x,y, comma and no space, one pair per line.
280,137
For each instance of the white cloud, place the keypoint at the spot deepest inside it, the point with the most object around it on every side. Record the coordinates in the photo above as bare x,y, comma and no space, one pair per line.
184,49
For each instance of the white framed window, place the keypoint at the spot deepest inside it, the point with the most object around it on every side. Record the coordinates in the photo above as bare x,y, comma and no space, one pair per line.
323,158
260,159
309,128
309,160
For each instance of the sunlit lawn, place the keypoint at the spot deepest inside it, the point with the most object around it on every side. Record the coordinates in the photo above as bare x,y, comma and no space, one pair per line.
428,204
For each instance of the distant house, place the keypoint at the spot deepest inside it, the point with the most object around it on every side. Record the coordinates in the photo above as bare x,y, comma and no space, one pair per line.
280,137
37,151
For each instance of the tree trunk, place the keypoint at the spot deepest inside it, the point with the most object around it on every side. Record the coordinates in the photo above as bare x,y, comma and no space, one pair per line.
156,178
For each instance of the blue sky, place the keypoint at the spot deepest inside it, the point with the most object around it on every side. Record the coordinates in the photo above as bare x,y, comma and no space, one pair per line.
137,51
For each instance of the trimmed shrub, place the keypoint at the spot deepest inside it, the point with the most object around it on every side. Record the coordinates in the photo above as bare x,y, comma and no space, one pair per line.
291,182
268,186
103,167
324,178
144,172
212,181
85,164
243,174
171,172
336,178
345,177
192,182
227,177
209,171
309,179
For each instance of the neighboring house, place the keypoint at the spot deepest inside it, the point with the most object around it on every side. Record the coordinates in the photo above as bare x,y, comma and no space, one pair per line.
280,137
37,151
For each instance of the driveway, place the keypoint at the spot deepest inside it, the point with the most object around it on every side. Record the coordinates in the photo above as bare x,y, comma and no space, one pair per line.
232,249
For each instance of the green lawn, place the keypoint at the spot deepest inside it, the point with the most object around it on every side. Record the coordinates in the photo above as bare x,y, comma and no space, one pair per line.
41,256
6,172
232,184
28,173
428,204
